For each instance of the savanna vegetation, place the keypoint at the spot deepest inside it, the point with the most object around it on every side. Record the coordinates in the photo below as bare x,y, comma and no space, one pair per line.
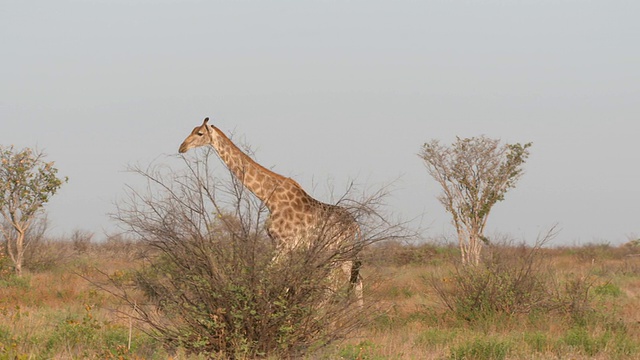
193,276
524,303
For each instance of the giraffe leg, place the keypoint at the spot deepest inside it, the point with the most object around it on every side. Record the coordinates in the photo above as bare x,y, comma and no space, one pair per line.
352,271
356,281
358,289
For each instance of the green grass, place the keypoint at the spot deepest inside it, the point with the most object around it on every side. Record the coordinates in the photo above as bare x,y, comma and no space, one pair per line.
435,337
481,349
365,350
608,289
13,281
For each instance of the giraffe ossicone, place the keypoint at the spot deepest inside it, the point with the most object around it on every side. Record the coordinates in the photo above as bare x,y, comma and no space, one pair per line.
295,218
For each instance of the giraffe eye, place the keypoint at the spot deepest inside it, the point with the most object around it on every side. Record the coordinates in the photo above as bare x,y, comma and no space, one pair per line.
200,133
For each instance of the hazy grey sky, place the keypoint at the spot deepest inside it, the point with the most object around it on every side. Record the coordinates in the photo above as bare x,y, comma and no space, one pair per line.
329,91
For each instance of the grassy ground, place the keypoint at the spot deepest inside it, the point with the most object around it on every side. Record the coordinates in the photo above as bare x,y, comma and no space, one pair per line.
54,313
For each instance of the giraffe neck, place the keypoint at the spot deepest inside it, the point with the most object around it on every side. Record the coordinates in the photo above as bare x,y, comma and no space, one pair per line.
268,186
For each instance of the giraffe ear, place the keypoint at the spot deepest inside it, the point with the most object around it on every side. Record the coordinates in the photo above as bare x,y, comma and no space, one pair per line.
206,120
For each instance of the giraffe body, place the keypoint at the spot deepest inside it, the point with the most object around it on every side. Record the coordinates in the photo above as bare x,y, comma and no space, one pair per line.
295,218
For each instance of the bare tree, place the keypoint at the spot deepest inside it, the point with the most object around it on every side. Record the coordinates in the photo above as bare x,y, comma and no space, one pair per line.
209,283
27,183
475,173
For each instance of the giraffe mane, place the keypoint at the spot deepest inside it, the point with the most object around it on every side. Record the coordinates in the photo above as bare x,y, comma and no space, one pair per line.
254,163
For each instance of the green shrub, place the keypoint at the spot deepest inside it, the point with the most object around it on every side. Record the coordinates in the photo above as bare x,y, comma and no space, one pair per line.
75,335
512,280
575,299
608,289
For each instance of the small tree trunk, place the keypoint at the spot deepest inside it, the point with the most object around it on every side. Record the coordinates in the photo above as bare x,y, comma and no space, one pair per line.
476,248
475,241
17,254
470,244
462,241
18,266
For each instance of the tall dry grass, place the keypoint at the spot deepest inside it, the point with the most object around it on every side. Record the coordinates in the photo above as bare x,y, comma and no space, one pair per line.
54,313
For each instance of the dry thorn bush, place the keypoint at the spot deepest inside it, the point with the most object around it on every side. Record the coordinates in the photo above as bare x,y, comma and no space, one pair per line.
209,284
511,281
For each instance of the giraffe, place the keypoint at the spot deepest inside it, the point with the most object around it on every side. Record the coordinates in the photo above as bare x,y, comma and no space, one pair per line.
295,218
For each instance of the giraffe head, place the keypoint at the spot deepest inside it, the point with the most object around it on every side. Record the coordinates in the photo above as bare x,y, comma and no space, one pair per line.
200,136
